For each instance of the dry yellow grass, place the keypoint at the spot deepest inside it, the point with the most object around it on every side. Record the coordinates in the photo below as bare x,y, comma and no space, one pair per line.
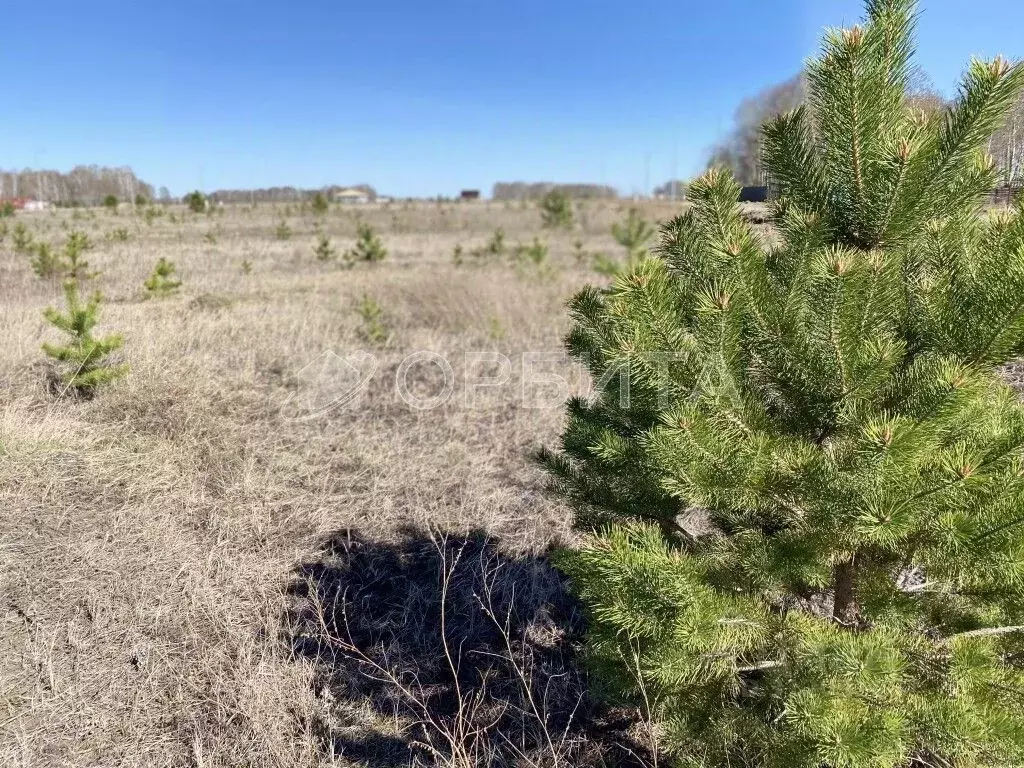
149,535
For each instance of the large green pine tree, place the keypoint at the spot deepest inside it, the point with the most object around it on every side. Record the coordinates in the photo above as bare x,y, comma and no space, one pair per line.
806,473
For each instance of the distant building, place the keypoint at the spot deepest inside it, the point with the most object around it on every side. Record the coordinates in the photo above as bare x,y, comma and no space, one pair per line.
355,196
469,194
25,203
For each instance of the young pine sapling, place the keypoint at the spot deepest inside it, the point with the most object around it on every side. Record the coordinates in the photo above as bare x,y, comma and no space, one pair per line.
84,356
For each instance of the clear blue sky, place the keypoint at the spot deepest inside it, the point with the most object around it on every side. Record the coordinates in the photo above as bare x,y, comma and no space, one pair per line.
417,98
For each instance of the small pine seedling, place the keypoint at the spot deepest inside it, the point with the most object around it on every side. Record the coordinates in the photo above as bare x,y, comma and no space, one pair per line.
458,255
21,239
110,203
556,210
319,204
633,234
84,355
496,245
119,235
46,262
368,245
323,249
374,328
76,244
531,261
605,265
162,282
246,267
196,201
283,231
536,253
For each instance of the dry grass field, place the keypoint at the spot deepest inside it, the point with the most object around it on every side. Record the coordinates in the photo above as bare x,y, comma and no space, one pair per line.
192,562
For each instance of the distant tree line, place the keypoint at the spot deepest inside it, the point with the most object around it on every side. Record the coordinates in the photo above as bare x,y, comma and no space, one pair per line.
740,150
284,194
84,185
522,190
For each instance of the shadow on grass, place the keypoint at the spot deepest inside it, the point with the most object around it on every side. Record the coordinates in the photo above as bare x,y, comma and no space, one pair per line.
445,650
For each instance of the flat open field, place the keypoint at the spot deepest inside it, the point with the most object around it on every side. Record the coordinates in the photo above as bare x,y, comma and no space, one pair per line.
164,545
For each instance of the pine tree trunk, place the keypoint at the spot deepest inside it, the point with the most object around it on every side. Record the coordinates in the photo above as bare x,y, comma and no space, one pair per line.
845,608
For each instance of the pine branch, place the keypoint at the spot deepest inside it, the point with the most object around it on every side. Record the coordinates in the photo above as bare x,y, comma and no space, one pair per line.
987,632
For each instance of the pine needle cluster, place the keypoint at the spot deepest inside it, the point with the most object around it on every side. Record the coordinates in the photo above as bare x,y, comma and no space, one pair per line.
806,473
